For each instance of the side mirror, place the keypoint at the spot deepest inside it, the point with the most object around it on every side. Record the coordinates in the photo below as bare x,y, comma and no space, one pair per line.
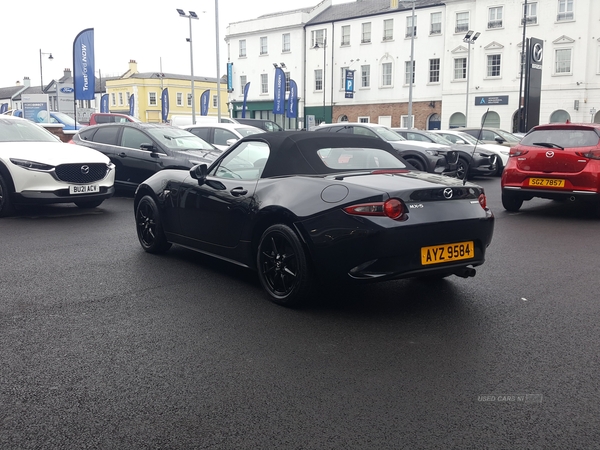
499,140
199,173
230,142
149,148
460,141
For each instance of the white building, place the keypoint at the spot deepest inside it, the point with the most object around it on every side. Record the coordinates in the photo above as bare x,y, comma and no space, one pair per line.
377,39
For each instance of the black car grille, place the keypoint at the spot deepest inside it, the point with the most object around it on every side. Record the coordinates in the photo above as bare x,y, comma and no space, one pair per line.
81,173
452,157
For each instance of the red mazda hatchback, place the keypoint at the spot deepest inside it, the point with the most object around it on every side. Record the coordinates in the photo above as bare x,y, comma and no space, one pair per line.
556,161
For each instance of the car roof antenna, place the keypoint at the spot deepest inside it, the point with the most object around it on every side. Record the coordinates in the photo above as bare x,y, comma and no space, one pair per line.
476,142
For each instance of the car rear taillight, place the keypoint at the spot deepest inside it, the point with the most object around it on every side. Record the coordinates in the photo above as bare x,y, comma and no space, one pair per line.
592,154
515,151
392,208
482,200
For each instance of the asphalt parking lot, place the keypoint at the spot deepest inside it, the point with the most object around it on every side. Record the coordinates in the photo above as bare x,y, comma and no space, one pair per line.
105,346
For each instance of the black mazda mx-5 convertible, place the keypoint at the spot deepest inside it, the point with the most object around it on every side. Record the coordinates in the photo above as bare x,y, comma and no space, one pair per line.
302,208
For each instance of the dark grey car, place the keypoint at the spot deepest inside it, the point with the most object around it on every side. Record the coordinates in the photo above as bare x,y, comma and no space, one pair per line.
470,161
139,150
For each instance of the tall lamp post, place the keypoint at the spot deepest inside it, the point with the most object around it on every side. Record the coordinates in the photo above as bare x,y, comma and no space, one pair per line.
411,69
469,38
324,62
50,57
190,16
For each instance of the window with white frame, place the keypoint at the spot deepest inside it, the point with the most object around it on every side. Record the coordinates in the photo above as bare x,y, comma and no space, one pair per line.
263,46
530,13
388,29
365,76
113,99
264,83
343,78
495,17
285,42
562,57
365,36
151,98
493,65
215,101
243,81
407,77
242,44
436,23
318,79
179,99
406,121
565,10
189,99
434,70
364,119
120,98
411,26
460,68
318,38
462,22
386,74
287,81
346,35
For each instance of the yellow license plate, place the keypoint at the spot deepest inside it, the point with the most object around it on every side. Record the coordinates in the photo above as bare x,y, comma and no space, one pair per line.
546,182
447,253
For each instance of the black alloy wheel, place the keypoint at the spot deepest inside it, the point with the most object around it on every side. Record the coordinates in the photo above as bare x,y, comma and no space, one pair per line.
6,206
462,169
283,267
511,202
149,227
416,163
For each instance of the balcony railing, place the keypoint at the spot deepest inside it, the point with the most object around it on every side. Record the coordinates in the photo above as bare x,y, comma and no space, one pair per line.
436,28
495,24
461,28
530,20
565,16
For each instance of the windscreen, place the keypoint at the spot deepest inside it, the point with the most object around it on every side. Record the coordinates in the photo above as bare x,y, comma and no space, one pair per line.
176,139
23,131
359,159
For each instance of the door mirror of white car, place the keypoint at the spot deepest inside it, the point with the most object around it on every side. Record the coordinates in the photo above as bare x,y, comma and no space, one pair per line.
230,142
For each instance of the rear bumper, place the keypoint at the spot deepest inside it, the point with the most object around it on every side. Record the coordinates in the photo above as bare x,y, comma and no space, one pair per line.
528,193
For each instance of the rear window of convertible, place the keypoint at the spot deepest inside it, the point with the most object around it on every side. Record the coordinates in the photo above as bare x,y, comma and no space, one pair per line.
359,159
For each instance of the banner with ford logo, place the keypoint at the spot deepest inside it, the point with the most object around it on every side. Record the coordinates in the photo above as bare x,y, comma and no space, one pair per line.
204,98
84,78
292,110
164,100
279,89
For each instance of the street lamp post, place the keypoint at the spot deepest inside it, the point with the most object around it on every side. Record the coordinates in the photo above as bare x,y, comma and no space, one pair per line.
411,73
190,16
469,38
50,57
324,62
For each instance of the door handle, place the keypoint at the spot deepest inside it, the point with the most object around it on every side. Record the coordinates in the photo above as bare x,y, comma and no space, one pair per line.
238,191
122,154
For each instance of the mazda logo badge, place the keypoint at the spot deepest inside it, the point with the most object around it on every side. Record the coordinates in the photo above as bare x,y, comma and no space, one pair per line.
448,193
549,154
85,170
537,53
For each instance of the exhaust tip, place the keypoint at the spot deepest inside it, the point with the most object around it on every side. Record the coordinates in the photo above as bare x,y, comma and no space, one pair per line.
466,272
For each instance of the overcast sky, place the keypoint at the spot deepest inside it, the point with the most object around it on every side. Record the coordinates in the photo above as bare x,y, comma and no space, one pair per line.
146,31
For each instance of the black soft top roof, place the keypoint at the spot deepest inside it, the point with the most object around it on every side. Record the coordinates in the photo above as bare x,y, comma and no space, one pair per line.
295,152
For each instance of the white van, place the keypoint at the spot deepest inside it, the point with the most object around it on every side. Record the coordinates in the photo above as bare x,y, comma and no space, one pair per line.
185,121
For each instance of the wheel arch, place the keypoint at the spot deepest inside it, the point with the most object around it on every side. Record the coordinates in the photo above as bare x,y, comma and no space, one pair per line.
7,177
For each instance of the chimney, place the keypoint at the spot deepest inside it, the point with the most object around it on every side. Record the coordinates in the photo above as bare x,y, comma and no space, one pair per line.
26,82
393,4
67,73
132,66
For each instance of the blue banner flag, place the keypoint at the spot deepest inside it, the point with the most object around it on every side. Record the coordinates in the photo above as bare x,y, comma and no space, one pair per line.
131,105
229,77
292,111
84,79
104,104
204,102
279,89
246,89
165,104
3,108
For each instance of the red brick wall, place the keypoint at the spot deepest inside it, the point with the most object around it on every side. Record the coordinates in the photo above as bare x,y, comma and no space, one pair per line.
421,110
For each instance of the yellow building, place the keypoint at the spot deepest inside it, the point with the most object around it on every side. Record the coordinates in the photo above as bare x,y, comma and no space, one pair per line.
147,88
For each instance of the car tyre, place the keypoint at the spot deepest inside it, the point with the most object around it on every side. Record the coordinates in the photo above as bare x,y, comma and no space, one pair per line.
90,204
462,169
149,228
6,206
283,267
416,163
511,202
